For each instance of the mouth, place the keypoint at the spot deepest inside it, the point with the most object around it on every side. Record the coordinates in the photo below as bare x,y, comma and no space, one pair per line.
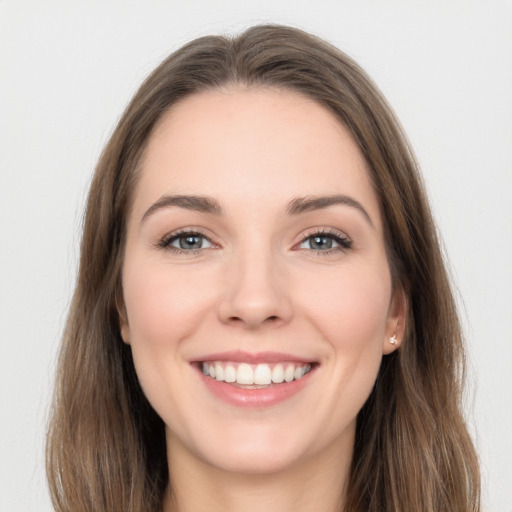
254,380
255,376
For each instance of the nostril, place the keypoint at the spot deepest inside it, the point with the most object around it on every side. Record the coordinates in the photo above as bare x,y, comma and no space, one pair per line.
238,319
273,319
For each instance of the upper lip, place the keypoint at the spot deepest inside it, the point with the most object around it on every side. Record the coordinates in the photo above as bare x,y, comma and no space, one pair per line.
238,356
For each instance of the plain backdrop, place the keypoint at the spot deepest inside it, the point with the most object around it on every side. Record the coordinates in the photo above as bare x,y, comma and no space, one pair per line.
67,70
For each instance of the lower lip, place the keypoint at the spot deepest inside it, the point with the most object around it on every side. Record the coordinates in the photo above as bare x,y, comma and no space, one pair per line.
255,398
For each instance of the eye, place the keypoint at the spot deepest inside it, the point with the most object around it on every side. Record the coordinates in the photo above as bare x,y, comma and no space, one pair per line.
326,242
186,241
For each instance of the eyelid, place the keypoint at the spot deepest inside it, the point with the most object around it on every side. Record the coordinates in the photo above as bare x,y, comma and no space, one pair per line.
342,239
165,241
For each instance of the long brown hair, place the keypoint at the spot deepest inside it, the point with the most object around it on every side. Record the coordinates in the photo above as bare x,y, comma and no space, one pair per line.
106,445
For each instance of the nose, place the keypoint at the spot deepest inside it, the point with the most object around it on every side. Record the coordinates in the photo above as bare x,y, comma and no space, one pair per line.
255,293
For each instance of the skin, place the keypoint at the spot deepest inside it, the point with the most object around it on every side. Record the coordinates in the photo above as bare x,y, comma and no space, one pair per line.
256,285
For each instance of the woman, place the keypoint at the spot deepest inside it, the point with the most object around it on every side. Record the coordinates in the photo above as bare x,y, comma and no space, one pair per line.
262,318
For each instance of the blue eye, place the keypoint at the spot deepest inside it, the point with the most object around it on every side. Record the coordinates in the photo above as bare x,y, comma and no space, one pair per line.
326,242
186,242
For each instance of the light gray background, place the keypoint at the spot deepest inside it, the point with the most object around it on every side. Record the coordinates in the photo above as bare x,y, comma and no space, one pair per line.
68,68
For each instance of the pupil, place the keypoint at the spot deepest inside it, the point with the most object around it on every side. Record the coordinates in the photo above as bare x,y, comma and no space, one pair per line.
321,242
191,242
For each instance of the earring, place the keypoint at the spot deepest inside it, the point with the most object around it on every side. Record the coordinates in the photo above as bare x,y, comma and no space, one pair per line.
393,340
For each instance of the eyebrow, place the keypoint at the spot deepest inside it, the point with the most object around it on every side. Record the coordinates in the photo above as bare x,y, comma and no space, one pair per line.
201,204
309,203
296,206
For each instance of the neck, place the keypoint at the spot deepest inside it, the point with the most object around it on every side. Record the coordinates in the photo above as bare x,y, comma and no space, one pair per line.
316,484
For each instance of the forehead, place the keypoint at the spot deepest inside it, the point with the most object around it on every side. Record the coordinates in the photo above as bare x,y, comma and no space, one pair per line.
252,145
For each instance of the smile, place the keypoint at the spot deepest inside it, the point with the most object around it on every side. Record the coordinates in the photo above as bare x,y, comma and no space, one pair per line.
255,374
255,380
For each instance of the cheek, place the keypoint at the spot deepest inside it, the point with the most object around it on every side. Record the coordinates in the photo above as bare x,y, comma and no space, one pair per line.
351,309
163,306
351,314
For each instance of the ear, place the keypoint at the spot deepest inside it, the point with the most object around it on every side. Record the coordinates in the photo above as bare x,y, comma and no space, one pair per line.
395,325
124,327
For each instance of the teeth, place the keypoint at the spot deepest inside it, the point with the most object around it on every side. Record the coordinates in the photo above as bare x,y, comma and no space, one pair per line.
219,372
245,374
278,374
260,375
230,374
289,373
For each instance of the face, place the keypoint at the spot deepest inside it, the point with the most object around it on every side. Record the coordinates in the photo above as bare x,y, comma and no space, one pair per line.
257,293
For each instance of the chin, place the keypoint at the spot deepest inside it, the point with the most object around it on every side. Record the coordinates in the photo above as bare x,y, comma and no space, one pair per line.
255,462
258,448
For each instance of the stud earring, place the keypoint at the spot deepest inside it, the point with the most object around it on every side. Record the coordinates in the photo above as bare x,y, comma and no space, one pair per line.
393,340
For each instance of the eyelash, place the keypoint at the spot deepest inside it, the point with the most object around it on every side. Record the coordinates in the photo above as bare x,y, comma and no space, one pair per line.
166,242
344,243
